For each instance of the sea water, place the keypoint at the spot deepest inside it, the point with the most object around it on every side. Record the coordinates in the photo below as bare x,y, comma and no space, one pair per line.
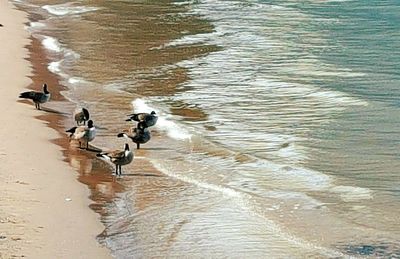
278,121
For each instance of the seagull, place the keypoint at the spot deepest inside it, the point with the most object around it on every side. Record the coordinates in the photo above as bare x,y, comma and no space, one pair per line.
149,119
37,97
81,115
139,135
83,133
118,157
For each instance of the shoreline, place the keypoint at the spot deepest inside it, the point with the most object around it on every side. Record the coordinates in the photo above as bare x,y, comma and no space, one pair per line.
104,190
40,194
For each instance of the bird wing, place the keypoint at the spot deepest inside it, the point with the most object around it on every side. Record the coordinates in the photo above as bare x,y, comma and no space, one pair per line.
142,116
78,116
138,116
80,132
31,95
115,155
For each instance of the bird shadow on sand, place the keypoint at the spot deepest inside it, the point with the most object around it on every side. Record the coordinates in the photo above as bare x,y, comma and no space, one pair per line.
53,111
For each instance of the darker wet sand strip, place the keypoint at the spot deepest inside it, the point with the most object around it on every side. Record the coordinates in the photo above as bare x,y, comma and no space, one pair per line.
104,187
43,211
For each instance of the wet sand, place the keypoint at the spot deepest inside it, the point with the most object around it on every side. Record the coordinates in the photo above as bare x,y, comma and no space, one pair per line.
44,211
105,188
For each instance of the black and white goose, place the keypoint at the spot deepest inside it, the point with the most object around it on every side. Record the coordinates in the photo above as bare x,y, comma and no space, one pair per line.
139,135
118,157
81,115
37,97
149,119
83,134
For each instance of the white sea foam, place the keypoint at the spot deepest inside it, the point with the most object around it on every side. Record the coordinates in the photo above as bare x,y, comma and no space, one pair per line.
244,200
52,44
164,122
308,202
37,25
292,177
173,130
75,80
68,56
68,9
352,193
54,67
71,55
296,178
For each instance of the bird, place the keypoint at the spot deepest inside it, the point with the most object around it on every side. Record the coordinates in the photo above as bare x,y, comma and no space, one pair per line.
118,157
37,97
139,135
81,115
150,119
83,133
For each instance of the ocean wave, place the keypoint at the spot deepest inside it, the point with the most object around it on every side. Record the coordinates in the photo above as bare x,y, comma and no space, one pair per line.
303,179
352,193
54,67
306,201
285,176
68,56
75,80
37,25
67,9
245,201
52,44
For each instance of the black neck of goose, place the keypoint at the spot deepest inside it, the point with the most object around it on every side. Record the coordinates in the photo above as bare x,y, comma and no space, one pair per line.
90,124
45,89
86,113
126,147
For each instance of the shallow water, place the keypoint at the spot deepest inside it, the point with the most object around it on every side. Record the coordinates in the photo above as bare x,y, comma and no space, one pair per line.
277,132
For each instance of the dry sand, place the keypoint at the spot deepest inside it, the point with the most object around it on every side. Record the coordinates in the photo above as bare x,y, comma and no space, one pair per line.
43,209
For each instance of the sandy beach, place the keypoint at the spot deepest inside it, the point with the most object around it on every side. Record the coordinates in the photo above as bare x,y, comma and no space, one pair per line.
44,211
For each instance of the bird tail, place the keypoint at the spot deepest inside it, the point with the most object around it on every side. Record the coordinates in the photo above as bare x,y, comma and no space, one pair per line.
133,117
103,155
72,131
123,135
26,95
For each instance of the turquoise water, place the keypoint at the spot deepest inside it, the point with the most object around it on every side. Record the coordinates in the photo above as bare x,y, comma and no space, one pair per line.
278,121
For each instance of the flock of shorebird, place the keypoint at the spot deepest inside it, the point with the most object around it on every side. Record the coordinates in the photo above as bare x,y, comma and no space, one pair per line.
86,133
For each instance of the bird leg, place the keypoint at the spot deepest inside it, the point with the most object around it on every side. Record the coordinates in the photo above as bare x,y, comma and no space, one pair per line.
120,169
138,145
